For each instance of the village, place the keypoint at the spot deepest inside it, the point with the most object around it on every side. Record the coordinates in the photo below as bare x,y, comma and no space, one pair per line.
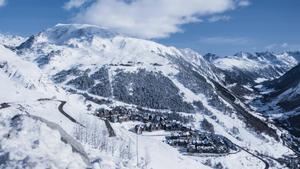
197,142
183,135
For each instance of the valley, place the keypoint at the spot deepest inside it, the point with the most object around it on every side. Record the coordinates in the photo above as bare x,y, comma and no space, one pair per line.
106,100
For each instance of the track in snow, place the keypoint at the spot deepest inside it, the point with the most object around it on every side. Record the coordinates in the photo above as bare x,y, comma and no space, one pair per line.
111,131
267,165
62,111
60,108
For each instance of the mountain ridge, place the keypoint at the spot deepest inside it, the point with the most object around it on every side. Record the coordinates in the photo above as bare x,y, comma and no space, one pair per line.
94,74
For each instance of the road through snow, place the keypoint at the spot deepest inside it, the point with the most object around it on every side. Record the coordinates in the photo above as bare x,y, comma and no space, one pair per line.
267,165
62,111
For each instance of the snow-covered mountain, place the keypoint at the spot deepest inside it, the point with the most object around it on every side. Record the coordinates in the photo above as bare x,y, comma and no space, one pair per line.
20,78
75,81
27,140
295,54
11,40
249,69
281,99
259,65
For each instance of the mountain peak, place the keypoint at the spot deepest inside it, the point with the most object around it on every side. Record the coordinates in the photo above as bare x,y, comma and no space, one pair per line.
64,32
210,57
10,40
267,55
244,54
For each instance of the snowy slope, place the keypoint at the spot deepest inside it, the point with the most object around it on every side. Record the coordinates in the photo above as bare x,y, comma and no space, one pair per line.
11,40
90,45
256,66
23,80
259,61
284,90
30,146
67,60
244,70
23,87
29,143
280,100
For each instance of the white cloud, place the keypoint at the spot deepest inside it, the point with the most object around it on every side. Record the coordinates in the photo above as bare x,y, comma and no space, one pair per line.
225,40
271,46
2,3
282,46
73,4
219,18
148,18
244,3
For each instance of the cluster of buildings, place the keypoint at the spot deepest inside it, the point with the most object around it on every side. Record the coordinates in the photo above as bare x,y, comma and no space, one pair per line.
151,121
196,142
183,136
167,125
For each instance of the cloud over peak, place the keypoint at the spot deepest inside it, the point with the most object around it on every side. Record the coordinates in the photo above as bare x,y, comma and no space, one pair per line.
148,18
2,3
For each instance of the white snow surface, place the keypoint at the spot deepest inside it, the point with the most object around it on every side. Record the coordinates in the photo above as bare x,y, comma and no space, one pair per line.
247,62
32,144
11,40
88,47
22,80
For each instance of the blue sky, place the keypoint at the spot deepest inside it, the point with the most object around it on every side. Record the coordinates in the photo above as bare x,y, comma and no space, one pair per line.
262,25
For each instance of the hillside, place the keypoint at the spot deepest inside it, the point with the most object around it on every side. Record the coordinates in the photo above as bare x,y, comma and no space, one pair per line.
95,90
245,70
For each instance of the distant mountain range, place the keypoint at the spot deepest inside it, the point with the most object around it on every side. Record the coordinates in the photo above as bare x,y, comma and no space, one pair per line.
79,84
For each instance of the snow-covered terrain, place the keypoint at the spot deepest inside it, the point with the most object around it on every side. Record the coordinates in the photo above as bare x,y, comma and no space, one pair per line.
251,69
58,80
11,40
279,99
259,61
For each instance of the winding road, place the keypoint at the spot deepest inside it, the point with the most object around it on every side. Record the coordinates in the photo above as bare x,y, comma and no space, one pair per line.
60,108
267,165
111,130
62,111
